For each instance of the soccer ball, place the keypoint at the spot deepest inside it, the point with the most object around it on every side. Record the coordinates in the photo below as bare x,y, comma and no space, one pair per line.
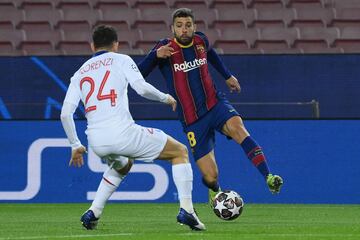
228,205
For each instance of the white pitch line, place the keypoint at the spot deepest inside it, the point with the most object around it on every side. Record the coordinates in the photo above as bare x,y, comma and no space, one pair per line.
68,236
306,235
243,235
287,235
315,206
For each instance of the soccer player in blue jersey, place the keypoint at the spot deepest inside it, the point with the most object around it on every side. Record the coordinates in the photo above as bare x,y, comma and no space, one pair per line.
183,62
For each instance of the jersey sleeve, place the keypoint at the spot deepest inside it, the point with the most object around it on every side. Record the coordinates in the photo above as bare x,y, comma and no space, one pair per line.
138,83
204,37
70,104
218,64
214,58
66,116
73,94
130,69
150,61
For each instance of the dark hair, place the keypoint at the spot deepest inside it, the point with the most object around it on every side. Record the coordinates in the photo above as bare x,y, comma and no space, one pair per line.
104,36
183,12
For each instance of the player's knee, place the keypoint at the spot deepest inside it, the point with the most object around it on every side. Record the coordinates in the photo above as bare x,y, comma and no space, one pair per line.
238,126
211,177
183,152
179,154
210,180
124,167
238,130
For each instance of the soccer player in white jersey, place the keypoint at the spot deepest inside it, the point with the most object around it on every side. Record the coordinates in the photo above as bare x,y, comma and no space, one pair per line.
101,84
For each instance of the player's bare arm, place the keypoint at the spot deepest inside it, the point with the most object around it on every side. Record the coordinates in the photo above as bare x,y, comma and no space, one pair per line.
77,159
164,51
233,84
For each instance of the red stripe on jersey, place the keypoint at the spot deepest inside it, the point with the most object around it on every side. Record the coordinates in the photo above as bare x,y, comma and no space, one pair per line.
207,82
182,87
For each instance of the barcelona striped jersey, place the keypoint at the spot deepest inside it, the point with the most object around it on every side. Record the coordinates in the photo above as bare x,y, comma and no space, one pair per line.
187,75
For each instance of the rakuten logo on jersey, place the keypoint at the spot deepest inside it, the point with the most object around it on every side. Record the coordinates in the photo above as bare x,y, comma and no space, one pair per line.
188,66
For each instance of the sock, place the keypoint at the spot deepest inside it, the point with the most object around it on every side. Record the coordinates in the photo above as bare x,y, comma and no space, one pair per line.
215,187
183,179
256,155
108,185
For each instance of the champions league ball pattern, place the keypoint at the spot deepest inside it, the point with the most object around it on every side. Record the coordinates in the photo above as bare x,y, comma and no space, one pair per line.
228,205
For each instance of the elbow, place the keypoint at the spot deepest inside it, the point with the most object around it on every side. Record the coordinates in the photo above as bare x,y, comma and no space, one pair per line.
140,88
141,92
64,115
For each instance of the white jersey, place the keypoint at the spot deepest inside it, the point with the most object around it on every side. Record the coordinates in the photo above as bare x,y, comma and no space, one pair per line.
101,84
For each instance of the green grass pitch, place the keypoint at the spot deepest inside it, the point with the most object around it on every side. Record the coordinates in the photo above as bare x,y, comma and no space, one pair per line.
157,221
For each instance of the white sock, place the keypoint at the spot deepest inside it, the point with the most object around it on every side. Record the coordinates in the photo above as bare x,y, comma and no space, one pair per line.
183,179
108,185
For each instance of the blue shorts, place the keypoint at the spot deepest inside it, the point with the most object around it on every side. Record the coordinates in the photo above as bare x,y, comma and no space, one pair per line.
201,134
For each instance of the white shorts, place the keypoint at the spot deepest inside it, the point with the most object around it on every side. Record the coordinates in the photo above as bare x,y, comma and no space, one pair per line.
137,142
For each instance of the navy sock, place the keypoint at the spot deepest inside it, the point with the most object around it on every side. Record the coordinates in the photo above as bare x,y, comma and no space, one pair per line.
255,154
213,186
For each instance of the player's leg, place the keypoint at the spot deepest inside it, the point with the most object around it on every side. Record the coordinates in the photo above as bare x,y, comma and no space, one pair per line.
209,170
177,154
155,144
117,170
111,180
234,128
174,151
201,136
182,173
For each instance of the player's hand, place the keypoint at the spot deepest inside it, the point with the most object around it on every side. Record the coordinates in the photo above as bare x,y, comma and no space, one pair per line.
171,101
164,51
233,84
77,159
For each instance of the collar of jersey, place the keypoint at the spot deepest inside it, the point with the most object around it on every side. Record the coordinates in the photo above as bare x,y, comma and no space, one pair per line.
184,46
99,53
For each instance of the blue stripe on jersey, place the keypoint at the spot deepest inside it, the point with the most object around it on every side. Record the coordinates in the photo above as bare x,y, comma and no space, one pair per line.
99,53
196,86
194,76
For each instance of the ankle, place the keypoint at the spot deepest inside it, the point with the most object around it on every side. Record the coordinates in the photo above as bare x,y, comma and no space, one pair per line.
97,211
187,205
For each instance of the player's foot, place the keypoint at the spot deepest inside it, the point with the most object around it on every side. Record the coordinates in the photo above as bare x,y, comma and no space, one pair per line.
190,219
212,195
88,220
274,183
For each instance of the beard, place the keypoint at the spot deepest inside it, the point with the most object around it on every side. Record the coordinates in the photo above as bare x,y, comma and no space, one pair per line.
184,39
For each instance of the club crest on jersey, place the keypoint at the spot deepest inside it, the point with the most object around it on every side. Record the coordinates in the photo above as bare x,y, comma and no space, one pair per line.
200,48
188,66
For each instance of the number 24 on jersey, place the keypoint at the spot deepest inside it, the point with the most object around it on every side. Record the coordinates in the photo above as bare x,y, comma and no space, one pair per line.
100,96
